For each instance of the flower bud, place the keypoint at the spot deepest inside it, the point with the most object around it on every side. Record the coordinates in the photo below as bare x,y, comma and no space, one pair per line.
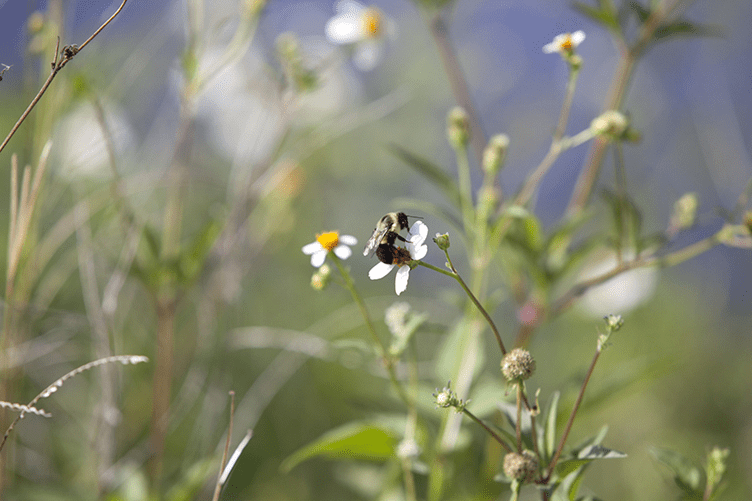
685,211
521,467
458,128
611,123
493,155
517,365
442,240
320,279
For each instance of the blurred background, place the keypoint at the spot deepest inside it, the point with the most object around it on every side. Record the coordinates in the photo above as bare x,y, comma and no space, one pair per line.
278,167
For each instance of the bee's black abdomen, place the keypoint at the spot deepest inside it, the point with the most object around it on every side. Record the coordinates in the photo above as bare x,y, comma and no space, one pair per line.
385,253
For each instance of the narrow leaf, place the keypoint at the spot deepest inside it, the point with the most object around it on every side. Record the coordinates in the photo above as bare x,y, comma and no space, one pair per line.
353,441
549,436
430,171
686,475
599,452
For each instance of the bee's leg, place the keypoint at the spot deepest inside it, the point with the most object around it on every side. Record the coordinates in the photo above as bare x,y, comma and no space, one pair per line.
400,237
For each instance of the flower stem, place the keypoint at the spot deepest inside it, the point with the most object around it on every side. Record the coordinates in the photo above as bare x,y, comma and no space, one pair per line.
380,348
470,294
576,407
488,429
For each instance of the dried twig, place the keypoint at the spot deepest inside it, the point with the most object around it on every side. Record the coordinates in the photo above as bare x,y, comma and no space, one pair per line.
69,51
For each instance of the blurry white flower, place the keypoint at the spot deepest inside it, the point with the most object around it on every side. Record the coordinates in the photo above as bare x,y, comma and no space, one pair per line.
565,43
365,28
82,145
416,249
326,242
622,293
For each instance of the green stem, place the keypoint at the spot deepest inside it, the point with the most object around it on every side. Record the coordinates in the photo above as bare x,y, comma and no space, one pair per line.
470,294
380,348
570,422
488,429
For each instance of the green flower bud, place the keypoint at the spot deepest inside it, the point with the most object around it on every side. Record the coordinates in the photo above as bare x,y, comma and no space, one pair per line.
493,155
458,128
442,241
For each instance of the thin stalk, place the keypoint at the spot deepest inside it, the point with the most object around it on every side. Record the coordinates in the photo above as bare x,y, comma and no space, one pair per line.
518,424
458,84
572,415
668,260
614,101
470,294
466,190
488,429
378,343
68,53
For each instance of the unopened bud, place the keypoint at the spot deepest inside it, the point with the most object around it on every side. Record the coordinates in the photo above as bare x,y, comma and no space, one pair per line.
611,123
458,127
685,211
442,240
493,155
320,279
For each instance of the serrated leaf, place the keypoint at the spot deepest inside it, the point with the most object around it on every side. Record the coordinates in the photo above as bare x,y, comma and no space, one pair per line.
596,451
430,171
686,475
353,441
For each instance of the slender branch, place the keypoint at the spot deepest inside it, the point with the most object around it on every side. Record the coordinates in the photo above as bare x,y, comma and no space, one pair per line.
380,348
576,407
518,424
668,260
488,429
614,100
470,294
69,51
457,82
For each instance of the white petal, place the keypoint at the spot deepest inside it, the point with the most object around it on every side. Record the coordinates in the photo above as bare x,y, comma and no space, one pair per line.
380,270
419,233
551,47
400,281
309,249
348,240
417,252
578,37
342,251
318,258
367,55
348,6
344,28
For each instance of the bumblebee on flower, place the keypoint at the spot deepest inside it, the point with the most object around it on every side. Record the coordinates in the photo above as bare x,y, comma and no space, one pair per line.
402,257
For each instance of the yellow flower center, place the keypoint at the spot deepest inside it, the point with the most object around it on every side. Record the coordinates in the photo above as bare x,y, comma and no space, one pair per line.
371,22
328,240
566,44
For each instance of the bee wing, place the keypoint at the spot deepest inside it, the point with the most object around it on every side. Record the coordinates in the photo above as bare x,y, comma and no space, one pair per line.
374,241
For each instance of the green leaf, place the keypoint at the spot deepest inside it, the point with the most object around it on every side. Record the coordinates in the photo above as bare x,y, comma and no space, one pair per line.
605,13
596,451
186,488
549,434
193,258
686,475
353,441
430,171
686,28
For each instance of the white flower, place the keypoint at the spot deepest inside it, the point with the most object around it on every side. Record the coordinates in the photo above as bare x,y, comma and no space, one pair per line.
564,43
416,247
326,242
363,27
620,294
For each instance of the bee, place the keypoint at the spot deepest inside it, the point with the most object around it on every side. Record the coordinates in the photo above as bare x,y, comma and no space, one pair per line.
385,235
